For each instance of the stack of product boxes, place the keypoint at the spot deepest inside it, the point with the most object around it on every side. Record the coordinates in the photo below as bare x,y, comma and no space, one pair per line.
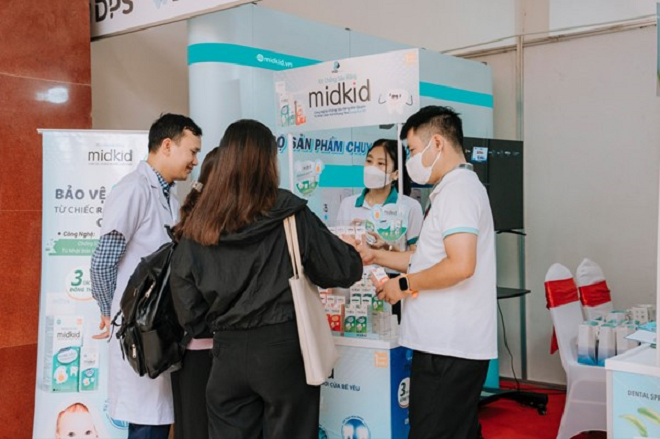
604,337
360,314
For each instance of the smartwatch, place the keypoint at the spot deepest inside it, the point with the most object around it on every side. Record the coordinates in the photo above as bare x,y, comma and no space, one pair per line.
404,285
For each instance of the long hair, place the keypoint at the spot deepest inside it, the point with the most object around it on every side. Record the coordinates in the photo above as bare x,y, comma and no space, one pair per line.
392,153
243,189
189,204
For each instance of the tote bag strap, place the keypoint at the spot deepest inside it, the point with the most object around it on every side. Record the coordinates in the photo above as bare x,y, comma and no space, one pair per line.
292,243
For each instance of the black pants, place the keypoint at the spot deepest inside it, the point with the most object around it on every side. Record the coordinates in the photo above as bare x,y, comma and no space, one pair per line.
189,391
444,396
138,431
257,387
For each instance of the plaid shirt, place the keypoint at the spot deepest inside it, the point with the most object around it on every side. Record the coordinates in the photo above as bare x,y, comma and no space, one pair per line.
106,257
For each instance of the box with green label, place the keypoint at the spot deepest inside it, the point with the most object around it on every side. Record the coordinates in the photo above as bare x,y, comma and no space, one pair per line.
64,336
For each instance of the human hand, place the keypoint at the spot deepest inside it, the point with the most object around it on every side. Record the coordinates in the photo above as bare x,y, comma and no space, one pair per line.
367,254
375,240
390,291
350,240
105,324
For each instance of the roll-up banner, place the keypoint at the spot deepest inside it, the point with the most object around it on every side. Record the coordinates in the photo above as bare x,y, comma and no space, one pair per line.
79,170
362,91
115,17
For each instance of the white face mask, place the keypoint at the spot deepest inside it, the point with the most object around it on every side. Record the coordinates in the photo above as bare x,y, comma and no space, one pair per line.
419,173
374,178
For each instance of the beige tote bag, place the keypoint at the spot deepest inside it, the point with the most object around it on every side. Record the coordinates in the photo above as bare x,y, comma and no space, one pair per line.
316,343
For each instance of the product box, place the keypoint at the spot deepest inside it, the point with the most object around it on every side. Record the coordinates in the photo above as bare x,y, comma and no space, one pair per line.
64,336
362,319
587,343
335,314
379,276
622,343
350,319
378,306
606,343
643,313
330,300
368,297
324,298
89,369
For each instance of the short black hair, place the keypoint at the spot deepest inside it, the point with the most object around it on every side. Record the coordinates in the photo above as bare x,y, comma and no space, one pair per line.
170,126
435,119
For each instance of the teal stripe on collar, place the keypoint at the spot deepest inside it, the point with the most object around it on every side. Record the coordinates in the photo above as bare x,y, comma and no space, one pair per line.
391,198
359,202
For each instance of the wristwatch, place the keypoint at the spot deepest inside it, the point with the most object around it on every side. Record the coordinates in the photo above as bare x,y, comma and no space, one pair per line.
404,286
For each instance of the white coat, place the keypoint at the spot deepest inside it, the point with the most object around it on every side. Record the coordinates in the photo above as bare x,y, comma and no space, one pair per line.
138,209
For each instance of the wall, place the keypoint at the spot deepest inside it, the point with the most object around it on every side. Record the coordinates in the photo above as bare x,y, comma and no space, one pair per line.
44,83
591,179
591,174
138,76
565,13
503,68
433,24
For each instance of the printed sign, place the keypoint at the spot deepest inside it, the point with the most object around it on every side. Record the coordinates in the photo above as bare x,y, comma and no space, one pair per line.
364,400
79,170
114,17
635,406
361,91
307,175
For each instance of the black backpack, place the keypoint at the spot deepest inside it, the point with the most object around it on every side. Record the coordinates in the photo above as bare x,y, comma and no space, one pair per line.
151,339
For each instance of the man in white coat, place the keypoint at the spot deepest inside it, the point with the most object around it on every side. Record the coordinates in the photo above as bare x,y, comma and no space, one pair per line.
134,219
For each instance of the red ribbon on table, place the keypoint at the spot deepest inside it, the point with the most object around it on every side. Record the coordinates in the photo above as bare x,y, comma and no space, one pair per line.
558,293
596,294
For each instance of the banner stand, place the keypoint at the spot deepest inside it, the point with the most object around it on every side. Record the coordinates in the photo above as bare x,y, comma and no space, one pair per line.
80,168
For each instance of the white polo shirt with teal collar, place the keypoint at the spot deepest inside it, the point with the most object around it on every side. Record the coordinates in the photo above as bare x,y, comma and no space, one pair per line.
356,207
459,321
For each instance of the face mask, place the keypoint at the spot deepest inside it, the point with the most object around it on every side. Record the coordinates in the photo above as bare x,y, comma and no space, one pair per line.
374,178
419,173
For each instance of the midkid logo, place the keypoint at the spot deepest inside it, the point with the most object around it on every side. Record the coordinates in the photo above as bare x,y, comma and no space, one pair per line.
110,156
104,9
272,60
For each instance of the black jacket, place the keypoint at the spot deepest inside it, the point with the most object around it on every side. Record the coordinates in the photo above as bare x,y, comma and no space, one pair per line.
243,281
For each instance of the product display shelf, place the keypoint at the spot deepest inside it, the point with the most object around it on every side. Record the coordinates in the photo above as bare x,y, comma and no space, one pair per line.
385,343
368,392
